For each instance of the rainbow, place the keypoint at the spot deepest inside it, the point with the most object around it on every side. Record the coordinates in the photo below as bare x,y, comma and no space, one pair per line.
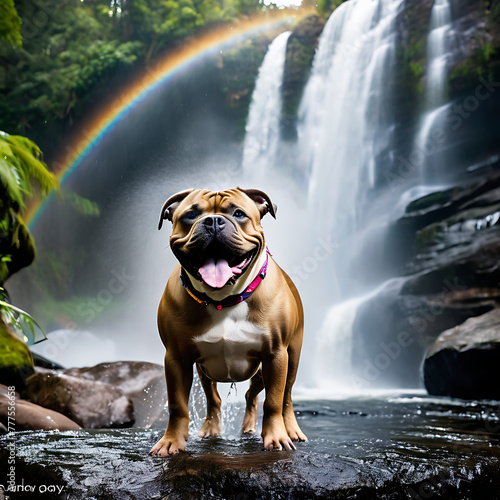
150,80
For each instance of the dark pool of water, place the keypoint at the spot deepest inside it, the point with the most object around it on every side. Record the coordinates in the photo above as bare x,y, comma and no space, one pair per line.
403,446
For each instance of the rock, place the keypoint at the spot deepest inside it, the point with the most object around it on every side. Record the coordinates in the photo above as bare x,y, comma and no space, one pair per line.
16,362
90,404
299,55
450,248
144,383
393,329
464,362
43,362
28,416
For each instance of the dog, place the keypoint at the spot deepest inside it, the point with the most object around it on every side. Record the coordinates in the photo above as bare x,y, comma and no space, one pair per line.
232,311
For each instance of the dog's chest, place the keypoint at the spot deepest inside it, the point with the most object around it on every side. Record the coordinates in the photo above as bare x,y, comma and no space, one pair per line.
229,350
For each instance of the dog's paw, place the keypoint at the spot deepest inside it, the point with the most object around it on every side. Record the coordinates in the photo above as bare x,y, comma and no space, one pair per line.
276,438
210,428
168,446
278,443
294,432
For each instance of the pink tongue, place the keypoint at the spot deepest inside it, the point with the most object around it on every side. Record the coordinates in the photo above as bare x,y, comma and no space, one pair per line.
216,273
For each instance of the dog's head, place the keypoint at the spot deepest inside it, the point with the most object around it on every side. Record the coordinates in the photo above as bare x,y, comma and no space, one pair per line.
216,235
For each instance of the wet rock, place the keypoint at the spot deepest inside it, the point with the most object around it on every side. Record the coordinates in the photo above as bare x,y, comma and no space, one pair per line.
144,383
90,404
408,448
464,362
43,362
450,273
300,51
28,416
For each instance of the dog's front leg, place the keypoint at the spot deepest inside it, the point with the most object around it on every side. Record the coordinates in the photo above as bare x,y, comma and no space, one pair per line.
179,375
274,371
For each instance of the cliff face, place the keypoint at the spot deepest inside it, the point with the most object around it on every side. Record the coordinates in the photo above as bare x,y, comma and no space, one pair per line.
300,52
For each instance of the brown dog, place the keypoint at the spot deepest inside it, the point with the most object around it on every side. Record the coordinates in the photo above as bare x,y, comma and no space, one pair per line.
231,310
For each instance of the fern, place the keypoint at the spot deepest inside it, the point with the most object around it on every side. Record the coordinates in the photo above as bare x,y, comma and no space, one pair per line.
21,161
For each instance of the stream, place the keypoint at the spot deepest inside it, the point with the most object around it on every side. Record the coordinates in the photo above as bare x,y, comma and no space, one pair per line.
389,446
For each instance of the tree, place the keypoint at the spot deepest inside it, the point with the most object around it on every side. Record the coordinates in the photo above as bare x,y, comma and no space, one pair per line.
10,24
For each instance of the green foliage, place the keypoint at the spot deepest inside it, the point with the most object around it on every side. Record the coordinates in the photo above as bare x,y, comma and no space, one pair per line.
73,48
21,163
484,61
62,60
27,329
416,69
10,24
82,205
323,7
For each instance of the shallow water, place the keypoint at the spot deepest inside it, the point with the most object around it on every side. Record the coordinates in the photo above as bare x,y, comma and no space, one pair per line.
402,446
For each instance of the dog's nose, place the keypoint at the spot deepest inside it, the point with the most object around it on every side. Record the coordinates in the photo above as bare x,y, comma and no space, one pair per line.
214,223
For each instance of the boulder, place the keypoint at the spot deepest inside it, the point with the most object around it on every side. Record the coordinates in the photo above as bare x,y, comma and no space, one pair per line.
144,383
464,362
28,416
91,404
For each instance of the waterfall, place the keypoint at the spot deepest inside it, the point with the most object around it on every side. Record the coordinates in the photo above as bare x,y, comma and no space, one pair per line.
346,117
437,53
345,132
438,49
334,369
263,124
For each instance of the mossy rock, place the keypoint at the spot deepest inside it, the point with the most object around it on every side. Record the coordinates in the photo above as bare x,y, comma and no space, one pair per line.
19,248
16,362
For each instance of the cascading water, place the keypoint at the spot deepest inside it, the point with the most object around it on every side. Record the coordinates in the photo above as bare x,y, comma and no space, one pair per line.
345,128
345,131
263,125
438,50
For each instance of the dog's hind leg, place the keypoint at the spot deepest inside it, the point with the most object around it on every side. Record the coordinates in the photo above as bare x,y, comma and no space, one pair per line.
256,386
211,426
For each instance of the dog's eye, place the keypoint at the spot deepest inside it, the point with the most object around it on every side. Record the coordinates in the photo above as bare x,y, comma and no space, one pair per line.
239,214
191,215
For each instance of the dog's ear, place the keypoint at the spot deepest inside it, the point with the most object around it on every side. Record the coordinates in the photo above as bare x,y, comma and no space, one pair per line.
262,200
167,212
